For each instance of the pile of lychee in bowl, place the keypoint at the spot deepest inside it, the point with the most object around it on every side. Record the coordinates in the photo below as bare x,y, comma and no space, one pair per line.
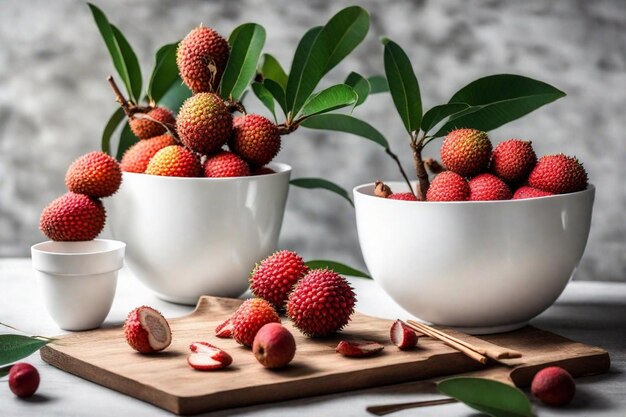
493,245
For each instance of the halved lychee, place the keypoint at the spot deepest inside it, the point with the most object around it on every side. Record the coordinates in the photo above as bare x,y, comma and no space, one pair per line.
206,357
402,335
147,331
358,348
225,330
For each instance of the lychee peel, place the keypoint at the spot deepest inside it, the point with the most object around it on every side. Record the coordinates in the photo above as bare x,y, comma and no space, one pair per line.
529,192
255,138
204,123
206,357
466,151
201,58
274,277
448,186
73,217
486,187
513,159
95,174
137,157
250,317
174,161
146,330
402,335
402,196
153,123
558,174
225,164
359,348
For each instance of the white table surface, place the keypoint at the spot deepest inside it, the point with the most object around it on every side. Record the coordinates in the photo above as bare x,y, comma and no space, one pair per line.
589,312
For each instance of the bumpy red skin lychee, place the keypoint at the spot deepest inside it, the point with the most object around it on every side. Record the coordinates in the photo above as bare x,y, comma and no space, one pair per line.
23,379
529,192
263,171
204,123
466,151
321,303
558,174
225,164
137,157
174,161
487,187
448,186
95,174
554,386
274,346
250,317
136,335
403,196
201,58
255,138
274,277
73,217
149,125
513,159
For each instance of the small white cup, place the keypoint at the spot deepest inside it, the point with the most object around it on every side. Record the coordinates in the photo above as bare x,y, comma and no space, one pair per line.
78,280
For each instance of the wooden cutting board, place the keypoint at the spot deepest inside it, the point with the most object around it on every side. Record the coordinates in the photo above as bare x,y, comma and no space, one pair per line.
165,379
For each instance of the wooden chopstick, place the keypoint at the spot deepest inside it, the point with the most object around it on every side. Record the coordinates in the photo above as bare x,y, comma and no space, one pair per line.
382,410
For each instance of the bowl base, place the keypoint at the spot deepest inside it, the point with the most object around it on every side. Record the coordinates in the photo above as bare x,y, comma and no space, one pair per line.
489,329
177,300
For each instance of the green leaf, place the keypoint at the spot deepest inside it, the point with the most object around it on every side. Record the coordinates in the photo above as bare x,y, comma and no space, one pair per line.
272,69
175,96
265,97
491,397
297,66
110,128
347,124
337,267
277,92
360,85
343,32
165,72
330,99
127,139
246,43
497,100
438,113
131,62
313,183
4,371
378,84
14,347
403,85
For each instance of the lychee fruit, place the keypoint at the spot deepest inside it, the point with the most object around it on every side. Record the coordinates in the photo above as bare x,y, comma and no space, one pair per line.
73,217
273,278
201,58
225,164
23,379
321,303
513,159
255,138
263,171
554,386
206,357
448,186
250,317
274,346
558,174
137,157
529,192
359,348
153,123
402,196
486,187
146,330
466,151
95,174
402,335
204,123
225,330
174,161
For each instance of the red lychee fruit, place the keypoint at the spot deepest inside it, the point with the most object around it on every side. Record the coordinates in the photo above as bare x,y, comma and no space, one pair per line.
137,157
263,171
204,123
225,164
206,357
529,192
513,159
358,348
23,379
147,331
466,151
225,330
402,335
255,138
152,123
448,186
274,277
486,187
554,386
558,174
250,317
174,161
274,346
321,303
402,196
95,174
73,217
201,58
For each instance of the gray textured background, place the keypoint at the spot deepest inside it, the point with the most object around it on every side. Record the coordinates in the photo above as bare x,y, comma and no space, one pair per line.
54,100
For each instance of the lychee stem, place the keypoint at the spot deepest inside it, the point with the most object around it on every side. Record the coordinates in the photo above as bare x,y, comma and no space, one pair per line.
406,178
434,166
119,97
417,144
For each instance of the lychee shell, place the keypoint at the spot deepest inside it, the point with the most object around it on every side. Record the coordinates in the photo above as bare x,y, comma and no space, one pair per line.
73,217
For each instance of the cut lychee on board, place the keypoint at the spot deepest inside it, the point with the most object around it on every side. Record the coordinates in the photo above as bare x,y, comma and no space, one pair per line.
403,336
359,348
225,330
147,331
206,357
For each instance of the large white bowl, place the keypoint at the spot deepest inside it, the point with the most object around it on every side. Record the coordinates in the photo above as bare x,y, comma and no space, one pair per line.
482,267
188,237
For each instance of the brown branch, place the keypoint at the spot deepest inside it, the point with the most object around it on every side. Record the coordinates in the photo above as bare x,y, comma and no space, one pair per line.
417,144
286,129
434,166
381,189
119,97
406,178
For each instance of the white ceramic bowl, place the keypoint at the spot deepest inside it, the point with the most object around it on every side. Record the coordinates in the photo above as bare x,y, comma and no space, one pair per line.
482,267
78,280
189,237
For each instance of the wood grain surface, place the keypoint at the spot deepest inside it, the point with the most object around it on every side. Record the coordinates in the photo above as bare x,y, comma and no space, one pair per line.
165,380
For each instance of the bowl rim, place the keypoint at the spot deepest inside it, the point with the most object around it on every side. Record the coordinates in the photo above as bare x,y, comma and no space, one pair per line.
280,167
110,246
358,190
